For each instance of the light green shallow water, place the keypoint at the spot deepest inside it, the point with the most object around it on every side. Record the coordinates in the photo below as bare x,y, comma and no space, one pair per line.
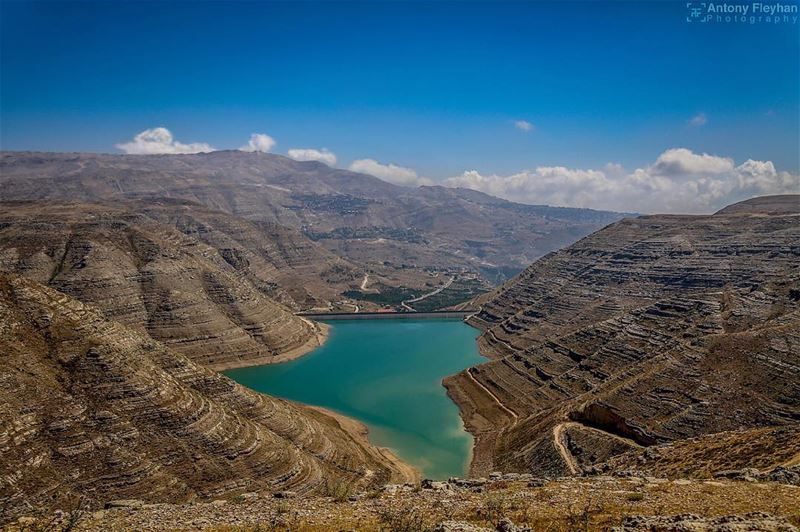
387,374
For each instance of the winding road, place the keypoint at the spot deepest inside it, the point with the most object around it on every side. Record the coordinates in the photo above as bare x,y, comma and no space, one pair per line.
503,407
405,305
558,440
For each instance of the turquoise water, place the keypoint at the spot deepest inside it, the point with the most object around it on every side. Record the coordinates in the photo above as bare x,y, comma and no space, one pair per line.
387,374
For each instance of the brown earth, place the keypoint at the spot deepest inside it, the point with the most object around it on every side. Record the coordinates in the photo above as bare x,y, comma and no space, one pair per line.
650,331
94,410
398,233
763,449
155,278
558,505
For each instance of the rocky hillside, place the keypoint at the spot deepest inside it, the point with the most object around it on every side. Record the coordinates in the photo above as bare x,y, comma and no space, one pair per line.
501,503
650,331
278,261
387,228
150,268
94,410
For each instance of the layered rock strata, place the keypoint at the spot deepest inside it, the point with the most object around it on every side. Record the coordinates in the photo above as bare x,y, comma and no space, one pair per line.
167,271
96,410
652,330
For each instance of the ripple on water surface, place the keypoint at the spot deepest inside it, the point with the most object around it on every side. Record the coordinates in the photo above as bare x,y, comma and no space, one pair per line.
387,374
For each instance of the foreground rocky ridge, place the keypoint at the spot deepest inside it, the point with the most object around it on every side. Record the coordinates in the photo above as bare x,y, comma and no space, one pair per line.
505,503
650,331
91,410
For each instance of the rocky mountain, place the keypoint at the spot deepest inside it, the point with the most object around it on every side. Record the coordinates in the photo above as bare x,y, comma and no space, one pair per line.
650,331
93,409
763,453
396,232
149,267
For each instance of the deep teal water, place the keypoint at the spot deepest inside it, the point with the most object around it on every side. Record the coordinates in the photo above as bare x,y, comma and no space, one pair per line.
387,374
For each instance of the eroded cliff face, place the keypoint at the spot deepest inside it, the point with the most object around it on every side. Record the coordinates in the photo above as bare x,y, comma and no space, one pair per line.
652,330
171,271
92,408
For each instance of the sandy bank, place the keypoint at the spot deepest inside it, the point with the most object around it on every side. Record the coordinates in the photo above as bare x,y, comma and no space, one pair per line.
483,414
320,335
401,471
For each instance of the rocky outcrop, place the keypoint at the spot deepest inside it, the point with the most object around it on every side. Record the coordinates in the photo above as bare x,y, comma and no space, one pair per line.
784,203
92,409
772,453
279,261
652,330
695,523
504,504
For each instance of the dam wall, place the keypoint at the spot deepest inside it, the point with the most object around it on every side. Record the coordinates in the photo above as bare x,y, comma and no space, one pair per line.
436,315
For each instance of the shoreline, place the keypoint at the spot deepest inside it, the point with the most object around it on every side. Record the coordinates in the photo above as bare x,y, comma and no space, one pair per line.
481,456
401,471
318,339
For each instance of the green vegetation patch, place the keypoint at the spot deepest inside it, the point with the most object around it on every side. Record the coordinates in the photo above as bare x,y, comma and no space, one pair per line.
387,295
458,292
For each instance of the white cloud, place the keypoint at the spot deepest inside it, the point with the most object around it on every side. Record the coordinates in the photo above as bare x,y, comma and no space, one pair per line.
259,142
310,154
700,119
392,173
680,161
160,140
523,125
679,181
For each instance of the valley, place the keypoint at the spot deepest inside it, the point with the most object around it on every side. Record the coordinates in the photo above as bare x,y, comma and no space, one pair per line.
173,309
406,239
387,374
399,266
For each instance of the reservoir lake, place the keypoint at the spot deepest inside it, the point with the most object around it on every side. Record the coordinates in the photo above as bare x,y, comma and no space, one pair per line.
387,374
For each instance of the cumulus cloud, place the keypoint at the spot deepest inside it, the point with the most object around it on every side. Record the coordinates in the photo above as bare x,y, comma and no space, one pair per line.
523,125
310,154
392,173
700,119
160,140
259,142
679,181
680,161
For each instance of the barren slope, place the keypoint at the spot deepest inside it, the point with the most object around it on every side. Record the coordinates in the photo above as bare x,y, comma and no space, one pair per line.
161,278
393,230
92,408
651,330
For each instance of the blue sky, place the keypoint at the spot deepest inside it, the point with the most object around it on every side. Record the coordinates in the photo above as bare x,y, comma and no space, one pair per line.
436,87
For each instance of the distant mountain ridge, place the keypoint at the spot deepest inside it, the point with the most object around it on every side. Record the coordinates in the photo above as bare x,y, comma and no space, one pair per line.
462,228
